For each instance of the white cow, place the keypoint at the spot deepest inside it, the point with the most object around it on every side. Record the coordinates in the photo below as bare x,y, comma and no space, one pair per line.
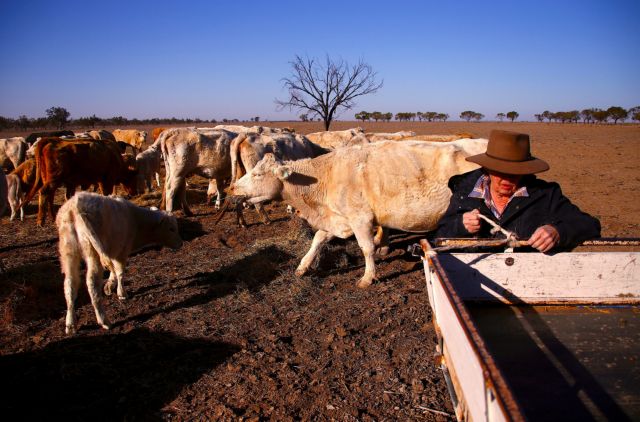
390,136
189,151
103,231
338,138
3,192
398,185
249,148
12,152
148,165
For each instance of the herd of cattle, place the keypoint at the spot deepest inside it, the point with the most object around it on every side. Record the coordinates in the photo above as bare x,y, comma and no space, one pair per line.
342,183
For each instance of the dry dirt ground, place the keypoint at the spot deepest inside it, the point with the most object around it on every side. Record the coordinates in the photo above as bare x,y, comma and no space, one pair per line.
222,328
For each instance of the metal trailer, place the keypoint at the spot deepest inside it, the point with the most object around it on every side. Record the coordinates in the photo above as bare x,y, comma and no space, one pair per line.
529,336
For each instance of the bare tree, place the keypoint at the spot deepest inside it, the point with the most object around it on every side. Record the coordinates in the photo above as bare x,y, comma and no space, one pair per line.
323,89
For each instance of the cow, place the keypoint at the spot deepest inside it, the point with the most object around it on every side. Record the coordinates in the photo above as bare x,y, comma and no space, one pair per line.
394,136
33,137
98,135
189,151
148,166
264,130
135,138
397,185
103,231
247,149
3,192
73,163
156,131
12,152
338,138
19,182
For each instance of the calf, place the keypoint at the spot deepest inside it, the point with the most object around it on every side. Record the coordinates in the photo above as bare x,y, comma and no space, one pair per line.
12,152
103,231
19,182
148,166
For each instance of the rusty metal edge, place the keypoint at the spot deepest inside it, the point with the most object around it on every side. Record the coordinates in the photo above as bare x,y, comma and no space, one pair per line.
492,374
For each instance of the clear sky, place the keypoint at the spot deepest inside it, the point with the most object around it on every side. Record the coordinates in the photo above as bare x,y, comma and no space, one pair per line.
225,59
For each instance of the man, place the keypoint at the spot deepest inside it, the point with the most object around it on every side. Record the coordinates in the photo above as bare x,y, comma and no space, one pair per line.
506,190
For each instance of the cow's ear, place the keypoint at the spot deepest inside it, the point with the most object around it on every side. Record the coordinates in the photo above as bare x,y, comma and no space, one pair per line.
282,172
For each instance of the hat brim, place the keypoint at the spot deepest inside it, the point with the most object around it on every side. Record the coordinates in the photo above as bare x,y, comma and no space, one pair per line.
535,165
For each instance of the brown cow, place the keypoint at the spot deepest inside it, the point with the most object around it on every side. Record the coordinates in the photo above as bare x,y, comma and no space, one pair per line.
156,132
73,163
20,181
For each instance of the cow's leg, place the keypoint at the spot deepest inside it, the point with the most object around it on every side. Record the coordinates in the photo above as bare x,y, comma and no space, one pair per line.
119,270
319,239
220,189
45,200
94,281
381,241
71,264
240,215
365,241
158,179
182,195
263,214
170,193
108,283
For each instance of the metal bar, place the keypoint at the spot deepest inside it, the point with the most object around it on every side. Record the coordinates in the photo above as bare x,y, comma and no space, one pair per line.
611,241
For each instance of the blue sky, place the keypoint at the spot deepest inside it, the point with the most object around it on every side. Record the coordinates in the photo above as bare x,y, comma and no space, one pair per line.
226,59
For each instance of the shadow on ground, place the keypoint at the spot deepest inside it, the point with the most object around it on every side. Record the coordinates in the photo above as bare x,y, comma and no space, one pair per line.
128,376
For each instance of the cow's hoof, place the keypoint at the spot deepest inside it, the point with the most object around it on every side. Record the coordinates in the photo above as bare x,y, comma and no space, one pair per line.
107,288
69,330
383,251
300,272
364,283
106,326
123,297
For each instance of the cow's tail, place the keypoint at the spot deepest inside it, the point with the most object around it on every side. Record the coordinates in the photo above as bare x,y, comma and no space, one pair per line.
85,230
40,169
236,162
162,142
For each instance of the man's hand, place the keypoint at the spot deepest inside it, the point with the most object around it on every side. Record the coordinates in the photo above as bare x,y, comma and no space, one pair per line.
471,221
544,238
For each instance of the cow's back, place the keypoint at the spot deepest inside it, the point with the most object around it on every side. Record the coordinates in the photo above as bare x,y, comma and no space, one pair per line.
403,185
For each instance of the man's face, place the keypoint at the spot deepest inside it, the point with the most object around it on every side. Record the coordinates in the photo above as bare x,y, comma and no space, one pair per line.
504,184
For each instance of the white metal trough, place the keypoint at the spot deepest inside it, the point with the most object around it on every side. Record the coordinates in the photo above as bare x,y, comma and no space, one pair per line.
529,336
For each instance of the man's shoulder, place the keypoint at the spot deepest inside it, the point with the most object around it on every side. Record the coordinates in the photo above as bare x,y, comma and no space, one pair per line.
464,180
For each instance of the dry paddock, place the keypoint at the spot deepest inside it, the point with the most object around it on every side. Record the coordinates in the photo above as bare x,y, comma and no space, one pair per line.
222,329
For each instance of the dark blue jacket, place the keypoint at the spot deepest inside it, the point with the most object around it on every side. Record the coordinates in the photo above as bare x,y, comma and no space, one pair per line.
523,215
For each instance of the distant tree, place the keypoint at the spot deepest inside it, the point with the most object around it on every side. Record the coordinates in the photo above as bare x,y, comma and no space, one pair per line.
441,116
600,116
587,115
478,116
539,117
363,115
58,116
634,112
256,119
500,116
617,113
304,117
387,116
512,115
6,123
23,122
467,115
325,89
547,115
429,115
376,115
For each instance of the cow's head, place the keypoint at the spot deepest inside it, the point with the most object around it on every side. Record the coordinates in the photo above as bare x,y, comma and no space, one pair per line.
167,231
264,181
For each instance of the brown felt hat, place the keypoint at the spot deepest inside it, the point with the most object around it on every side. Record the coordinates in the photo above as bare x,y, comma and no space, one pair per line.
509,153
